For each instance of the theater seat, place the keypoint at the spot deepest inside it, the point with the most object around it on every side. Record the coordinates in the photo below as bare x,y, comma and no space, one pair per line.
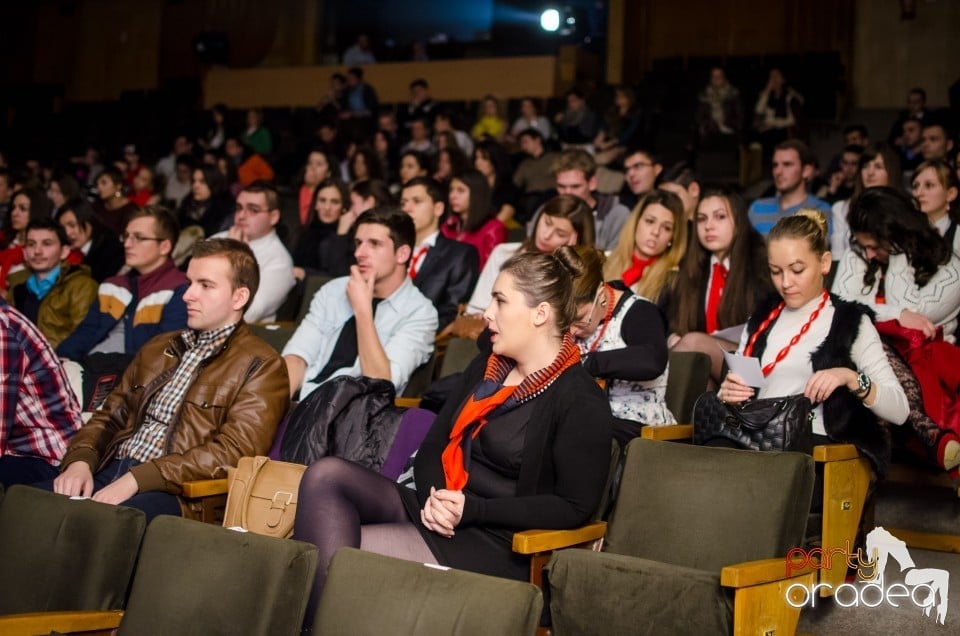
371,594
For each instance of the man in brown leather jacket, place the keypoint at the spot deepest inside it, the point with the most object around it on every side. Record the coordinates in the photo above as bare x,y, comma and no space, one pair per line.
191,402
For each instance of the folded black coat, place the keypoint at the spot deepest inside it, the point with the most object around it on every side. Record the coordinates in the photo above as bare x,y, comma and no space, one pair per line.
346,417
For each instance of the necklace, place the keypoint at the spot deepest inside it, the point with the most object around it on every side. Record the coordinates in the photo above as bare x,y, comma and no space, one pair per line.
796,338
608,300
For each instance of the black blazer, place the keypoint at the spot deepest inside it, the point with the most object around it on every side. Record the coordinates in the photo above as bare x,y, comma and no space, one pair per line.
447,276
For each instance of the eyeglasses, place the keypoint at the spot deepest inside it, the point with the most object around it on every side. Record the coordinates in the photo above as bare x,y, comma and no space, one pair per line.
138,238
638,165
588,320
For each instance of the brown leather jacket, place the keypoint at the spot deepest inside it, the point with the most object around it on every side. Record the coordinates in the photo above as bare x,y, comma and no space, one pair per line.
230,411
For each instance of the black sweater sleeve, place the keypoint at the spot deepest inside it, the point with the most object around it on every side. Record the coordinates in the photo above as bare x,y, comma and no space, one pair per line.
645,356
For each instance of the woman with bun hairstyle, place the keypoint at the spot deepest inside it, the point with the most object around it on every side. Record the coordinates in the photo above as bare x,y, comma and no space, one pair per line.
813,343
508,452
651,247
721,279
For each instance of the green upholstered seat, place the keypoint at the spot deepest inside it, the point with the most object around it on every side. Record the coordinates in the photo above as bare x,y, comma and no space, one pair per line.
683,513
59,554
197,578
687,379
460,352
368,593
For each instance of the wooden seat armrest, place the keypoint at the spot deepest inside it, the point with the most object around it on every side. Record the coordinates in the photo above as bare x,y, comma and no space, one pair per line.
667,433
534,541
759,572
406,402
61,622
204,488
835,452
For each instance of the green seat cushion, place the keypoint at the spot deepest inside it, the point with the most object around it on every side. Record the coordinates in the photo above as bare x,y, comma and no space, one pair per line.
369,593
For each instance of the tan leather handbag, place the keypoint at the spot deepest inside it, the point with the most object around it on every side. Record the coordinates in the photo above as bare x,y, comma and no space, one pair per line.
262,496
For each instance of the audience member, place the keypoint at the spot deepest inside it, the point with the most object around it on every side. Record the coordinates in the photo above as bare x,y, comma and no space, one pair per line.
99,248
52,293
936,189
564,220
413,163
62,188
449,160
491,160
878,166
209,203
916,109
642,168
254,223
683,182
577,124
530,118
843,179
472,218
143,190
900,267
216,133
6,192
722,278
909,144
420,106
792,168
250,165
466,507
133,307
936,142
817,344
142,445
167,167
330,199
112,205
720,111
38,411
364,165
777,112
444,270
374,322
651,247
623,340
443,122
359,52
534,176
490,122
27,205
317,168
575,172
360,106
419,138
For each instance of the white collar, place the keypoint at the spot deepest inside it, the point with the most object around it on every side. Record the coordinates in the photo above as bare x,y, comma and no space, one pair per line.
428,242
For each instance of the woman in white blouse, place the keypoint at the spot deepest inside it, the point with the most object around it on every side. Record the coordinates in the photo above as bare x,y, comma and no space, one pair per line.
812,343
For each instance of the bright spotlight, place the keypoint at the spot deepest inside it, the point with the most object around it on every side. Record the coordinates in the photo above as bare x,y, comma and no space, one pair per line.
550,20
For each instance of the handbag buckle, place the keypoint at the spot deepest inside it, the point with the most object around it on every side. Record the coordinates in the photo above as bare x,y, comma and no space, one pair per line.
275,504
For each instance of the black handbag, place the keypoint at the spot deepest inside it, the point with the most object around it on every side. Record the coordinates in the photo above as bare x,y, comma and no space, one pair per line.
781,423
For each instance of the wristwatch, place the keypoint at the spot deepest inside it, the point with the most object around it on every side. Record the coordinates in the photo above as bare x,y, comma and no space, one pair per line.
863,385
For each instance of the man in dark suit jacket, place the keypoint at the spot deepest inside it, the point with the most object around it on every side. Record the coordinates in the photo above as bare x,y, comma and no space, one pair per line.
444,270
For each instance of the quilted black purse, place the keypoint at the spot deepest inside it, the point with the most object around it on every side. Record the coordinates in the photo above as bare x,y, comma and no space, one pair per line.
781,423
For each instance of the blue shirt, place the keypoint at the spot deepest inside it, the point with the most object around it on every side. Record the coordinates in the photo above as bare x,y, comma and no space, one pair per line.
406,323
764,213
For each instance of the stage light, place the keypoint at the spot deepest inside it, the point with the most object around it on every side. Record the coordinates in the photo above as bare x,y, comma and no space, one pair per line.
550,20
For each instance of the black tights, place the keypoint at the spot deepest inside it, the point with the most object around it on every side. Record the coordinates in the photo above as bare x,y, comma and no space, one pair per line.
337,498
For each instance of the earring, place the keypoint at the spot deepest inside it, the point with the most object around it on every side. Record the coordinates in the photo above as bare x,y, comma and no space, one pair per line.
669,244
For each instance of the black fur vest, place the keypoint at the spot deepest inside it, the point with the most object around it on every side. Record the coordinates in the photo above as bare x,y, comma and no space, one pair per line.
845,418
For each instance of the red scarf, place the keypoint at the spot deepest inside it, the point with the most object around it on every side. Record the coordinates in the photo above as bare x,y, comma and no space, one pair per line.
490,396
636,269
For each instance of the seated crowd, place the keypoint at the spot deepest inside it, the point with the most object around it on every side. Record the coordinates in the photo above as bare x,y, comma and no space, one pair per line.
129,290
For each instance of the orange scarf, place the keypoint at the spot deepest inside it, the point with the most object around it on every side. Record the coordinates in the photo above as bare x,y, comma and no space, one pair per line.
491,397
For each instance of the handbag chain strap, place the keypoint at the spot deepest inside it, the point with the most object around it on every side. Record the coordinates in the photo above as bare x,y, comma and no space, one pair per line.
796,338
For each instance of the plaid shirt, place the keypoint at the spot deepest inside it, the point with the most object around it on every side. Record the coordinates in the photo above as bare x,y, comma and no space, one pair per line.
39,410
148,442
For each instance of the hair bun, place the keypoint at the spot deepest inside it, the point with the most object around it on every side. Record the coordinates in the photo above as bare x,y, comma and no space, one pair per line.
816,216
570,260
